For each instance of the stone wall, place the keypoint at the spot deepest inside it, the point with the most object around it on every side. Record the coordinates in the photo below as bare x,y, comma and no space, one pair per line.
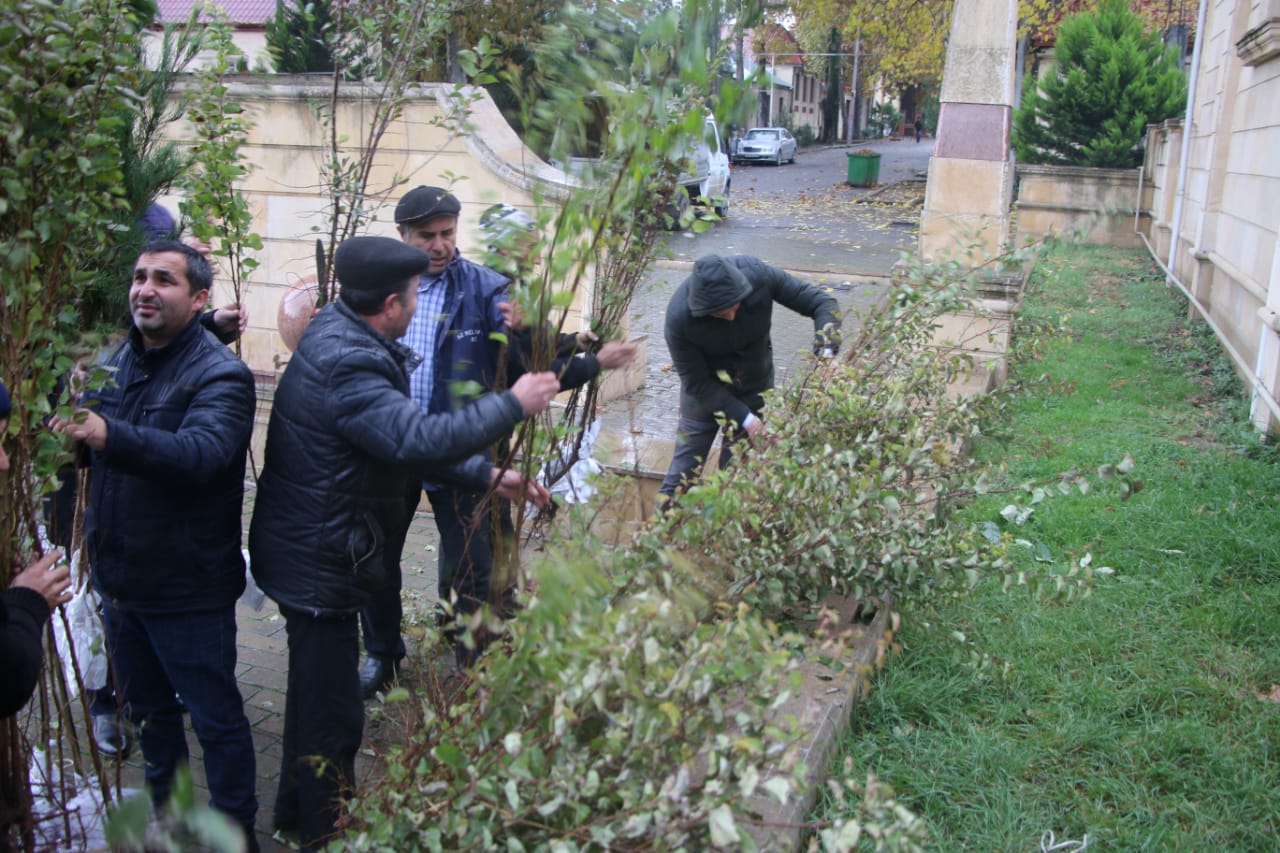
1215,219
1100,203
285,187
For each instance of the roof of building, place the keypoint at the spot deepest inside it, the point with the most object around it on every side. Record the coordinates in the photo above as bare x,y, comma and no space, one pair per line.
238,11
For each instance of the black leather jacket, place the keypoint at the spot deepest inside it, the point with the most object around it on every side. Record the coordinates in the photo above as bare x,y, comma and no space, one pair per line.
343,439
165,495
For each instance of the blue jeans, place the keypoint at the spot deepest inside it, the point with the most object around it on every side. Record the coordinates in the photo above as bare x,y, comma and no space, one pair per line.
466,546
159,656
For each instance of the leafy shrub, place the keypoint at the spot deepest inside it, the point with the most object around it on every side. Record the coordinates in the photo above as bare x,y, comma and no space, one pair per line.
1109,81
635,705
804,135
65,103
297,37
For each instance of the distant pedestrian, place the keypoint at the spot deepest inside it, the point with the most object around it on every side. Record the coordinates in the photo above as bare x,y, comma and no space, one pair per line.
919,128
718,332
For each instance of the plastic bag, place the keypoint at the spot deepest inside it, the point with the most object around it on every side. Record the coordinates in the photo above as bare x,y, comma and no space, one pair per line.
253,596
571,483
84,618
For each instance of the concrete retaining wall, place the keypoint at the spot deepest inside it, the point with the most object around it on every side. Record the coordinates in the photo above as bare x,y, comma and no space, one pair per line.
1100,203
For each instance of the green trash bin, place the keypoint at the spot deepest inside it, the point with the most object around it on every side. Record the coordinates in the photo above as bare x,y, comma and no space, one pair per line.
864,168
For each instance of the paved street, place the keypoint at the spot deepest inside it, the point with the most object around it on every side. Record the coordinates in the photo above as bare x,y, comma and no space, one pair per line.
805,217
802,217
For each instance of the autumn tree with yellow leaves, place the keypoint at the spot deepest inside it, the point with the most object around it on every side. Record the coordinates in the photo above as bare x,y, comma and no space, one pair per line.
901,44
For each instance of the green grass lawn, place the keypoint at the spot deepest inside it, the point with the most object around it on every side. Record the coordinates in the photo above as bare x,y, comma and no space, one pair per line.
1146,715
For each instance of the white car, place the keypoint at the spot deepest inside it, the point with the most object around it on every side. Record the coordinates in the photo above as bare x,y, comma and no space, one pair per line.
708,180
766,145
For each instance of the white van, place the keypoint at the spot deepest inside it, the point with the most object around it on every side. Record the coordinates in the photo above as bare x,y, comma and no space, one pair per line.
708,182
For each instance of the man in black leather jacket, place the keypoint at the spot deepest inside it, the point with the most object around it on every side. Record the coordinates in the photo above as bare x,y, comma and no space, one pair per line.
343,441
167,442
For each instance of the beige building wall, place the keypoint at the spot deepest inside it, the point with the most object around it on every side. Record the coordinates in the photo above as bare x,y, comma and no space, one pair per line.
285,187
970,185
1216,222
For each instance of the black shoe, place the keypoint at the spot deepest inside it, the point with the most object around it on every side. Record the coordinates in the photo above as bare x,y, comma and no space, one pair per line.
377,674
111,735
250,839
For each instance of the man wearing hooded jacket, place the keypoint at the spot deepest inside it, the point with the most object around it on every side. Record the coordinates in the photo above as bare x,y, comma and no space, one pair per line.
718,332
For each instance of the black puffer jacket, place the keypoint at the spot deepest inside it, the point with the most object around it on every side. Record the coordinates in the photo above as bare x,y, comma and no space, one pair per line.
165,495
23,613
343,440
706,350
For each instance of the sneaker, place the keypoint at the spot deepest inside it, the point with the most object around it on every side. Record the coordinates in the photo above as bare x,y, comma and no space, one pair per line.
111,736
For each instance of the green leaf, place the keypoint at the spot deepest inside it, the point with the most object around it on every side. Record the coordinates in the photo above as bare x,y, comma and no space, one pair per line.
724,830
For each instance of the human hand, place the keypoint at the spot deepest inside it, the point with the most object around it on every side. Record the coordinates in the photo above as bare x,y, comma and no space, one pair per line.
78,379
199,245
52,585
512,486
511,315
233,317
585,339
535,390
83,426
616,354
755,429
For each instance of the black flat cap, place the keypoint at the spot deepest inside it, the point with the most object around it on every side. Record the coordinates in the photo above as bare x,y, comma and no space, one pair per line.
426,202
377,264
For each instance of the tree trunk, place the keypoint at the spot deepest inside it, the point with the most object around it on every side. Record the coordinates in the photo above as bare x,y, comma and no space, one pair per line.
831,99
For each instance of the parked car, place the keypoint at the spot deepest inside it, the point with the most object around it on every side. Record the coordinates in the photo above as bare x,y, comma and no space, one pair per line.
766,145
706,179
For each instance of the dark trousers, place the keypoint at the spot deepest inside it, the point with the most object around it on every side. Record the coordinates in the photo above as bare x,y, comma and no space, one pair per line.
465,567
160,656
694,437
380,619
466,546
323,724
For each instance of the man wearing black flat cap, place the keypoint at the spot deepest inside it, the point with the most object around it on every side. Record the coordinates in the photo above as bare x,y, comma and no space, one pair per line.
460,309
718,332
343,444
